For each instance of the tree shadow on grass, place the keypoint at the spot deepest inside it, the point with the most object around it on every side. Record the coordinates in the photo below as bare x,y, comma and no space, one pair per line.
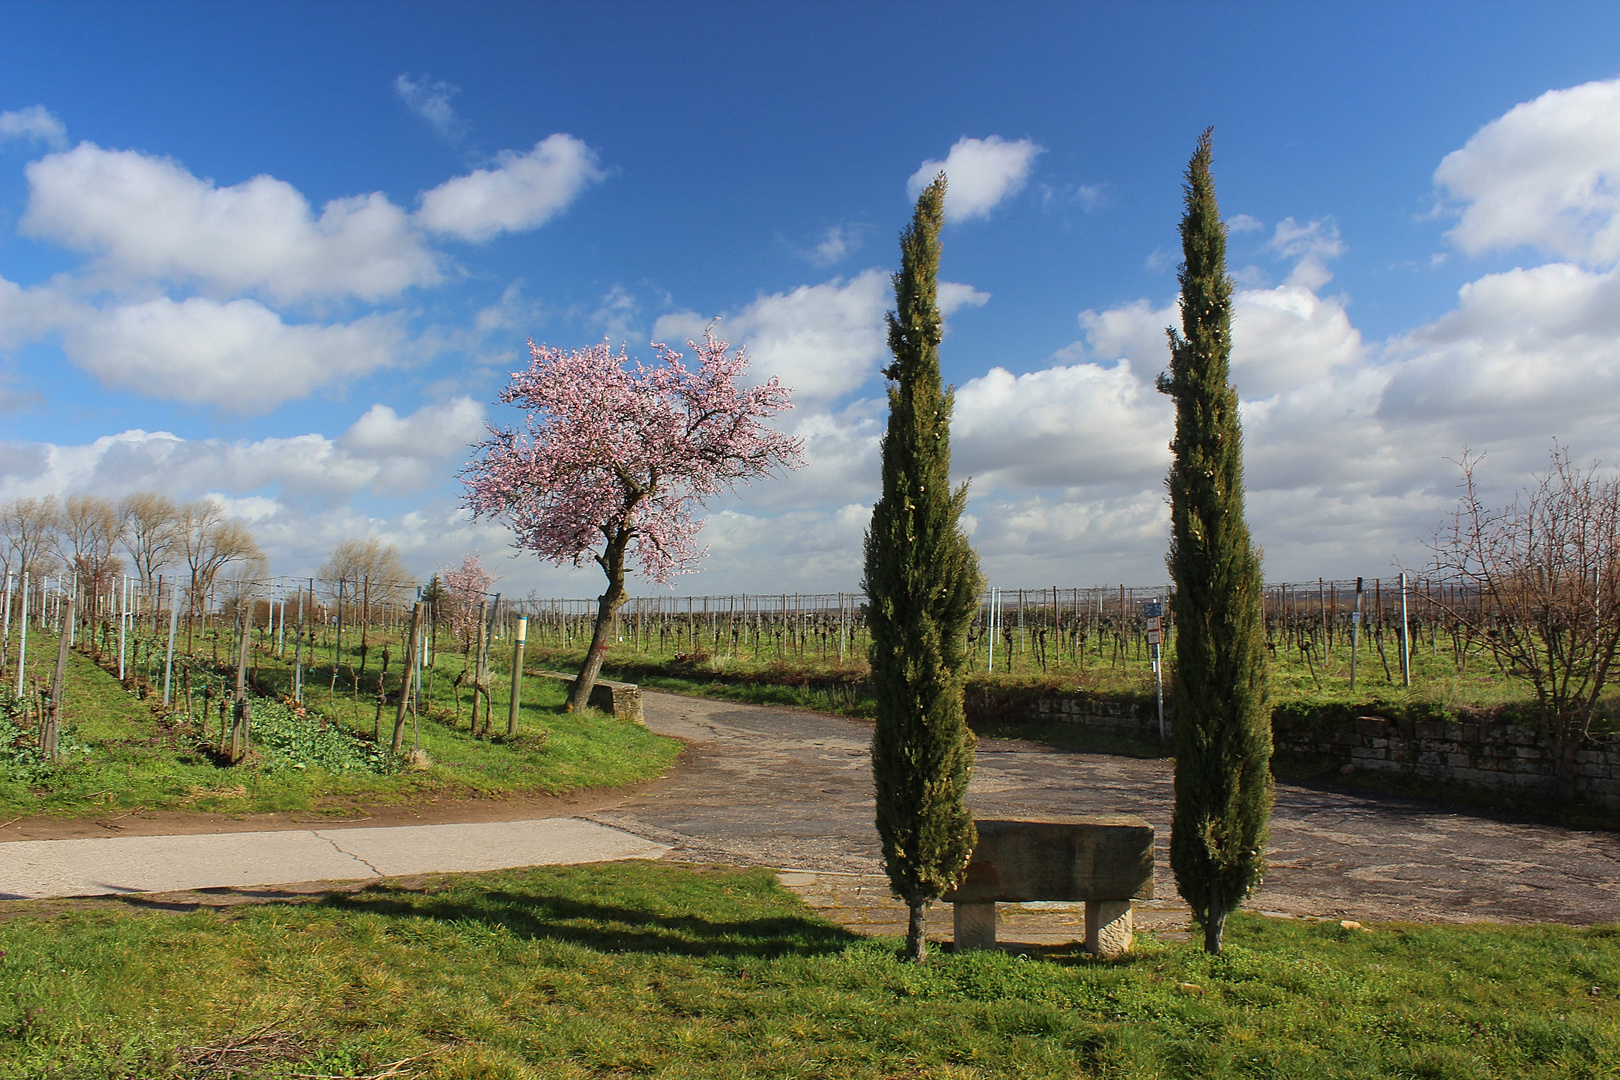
605,927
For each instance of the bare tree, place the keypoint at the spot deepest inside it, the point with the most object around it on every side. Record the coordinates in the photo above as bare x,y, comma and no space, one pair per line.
1541,585
369,572
88,529
151,533
28,529
209,541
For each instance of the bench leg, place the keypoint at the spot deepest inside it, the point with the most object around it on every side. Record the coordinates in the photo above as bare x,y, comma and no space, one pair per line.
975,926
1108,927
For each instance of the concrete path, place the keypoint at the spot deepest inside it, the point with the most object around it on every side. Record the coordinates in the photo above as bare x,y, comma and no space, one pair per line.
31,869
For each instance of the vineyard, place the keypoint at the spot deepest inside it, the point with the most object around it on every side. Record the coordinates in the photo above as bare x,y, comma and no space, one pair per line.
1325,641
128,701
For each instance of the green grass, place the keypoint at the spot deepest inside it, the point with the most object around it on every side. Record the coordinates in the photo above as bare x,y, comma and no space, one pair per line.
653,970
138,759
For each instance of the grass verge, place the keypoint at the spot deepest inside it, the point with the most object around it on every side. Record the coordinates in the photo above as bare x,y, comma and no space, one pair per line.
127,755
637,969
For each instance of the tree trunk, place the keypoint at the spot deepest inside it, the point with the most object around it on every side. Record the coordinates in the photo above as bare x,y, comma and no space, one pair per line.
1215,922
607,606
916,939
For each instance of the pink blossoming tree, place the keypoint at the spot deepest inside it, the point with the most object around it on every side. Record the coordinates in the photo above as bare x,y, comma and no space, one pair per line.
615,459
466,585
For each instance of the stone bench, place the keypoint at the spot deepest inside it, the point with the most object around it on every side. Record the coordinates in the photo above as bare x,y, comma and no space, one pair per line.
1105,860
622,699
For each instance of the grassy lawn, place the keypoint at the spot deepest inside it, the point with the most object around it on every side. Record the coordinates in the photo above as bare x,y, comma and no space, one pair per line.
638,969
122,755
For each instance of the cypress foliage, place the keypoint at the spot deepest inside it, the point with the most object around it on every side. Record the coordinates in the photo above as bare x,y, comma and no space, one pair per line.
1218,685
922,583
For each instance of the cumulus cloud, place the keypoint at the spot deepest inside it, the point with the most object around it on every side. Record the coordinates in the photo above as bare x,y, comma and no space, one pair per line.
522,191
36,124
822,341
382,452
981,173
148,217
430,100
1312,245
237,355
1079,426
1545,175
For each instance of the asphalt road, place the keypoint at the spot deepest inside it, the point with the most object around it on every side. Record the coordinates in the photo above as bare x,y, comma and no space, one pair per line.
792,789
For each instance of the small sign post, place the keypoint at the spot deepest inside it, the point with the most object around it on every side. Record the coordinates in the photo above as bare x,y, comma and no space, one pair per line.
1153,612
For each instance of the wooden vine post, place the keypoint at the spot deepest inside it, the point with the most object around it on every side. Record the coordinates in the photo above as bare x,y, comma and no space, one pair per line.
406,680
53,714
244,710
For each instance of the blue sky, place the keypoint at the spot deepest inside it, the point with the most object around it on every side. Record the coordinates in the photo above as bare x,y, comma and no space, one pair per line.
177,314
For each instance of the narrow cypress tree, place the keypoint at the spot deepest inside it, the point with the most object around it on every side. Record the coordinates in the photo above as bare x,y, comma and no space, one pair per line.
1218,685
922,584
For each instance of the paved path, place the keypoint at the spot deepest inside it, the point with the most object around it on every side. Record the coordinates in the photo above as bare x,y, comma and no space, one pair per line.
793,789
44,868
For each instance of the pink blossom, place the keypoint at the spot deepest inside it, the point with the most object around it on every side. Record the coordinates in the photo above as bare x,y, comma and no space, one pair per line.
466,585
612,456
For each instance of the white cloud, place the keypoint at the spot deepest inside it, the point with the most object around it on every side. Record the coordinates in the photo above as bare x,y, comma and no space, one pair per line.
1530,352
35,123
148,217
430,99
523,191
1546,175
822,341
382,452
237,355
1312,245
411,450
1077,426
953,296
26,314
1243,223
839,241
980,173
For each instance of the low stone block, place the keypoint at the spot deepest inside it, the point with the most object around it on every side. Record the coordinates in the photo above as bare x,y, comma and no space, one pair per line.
1109,927
974,925
1096,857
1372,725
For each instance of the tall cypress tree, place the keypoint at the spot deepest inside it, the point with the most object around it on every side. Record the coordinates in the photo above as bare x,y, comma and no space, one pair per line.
1218,685
922,584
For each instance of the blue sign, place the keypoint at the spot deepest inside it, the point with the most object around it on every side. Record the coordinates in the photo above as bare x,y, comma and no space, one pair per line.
1152,609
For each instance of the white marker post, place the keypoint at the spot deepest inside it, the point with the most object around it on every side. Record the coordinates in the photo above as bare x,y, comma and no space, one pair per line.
22,635
1355,635
168,660
1406,650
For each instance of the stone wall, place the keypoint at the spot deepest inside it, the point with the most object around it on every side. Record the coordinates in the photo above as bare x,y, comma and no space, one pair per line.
1490,755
